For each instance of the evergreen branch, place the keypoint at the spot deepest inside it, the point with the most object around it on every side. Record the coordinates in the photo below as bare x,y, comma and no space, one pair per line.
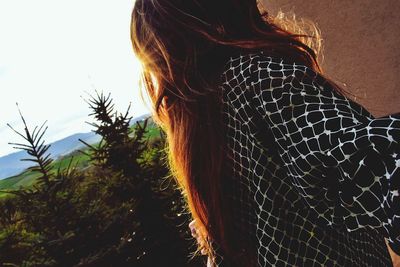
34,134
41,135
86,144
20,146
15,131
35,148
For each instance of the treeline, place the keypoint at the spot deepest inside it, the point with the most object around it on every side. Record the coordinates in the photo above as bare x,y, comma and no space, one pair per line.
122,210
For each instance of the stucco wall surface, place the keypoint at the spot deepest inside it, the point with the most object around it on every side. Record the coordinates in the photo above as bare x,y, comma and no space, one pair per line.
361,46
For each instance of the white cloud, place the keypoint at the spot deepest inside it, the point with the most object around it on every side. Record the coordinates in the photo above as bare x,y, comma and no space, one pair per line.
52,51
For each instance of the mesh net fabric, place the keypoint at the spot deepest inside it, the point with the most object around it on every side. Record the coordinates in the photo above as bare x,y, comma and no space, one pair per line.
315,176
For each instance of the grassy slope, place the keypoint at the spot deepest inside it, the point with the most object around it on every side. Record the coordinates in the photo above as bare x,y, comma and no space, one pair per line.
27,178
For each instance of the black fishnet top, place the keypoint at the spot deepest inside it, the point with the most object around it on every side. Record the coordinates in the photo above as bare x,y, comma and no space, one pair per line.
317,177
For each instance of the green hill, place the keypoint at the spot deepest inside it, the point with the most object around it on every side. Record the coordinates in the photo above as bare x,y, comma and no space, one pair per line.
80,160
28,178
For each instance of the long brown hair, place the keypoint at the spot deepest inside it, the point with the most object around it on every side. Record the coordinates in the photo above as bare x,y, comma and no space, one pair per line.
183,46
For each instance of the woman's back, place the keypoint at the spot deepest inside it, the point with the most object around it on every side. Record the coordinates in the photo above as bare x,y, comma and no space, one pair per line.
301,176
309,168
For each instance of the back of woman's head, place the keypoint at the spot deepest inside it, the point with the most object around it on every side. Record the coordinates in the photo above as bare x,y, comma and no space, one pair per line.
171,37
183,46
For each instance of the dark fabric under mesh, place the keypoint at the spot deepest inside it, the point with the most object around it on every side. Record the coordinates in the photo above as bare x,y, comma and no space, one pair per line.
316,176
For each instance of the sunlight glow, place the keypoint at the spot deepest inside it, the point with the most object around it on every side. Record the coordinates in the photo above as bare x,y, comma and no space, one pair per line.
53,53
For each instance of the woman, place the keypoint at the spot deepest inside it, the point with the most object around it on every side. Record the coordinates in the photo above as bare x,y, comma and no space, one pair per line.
278,166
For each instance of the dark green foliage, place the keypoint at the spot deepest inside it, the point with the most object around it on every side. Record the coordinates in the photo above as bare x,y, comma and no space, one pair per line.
121,210
36,148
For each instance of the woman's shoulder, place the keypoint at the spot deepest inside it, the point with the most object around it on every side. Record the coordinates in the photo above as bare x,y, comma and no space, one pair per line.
252,68
262,72
256,61
264,82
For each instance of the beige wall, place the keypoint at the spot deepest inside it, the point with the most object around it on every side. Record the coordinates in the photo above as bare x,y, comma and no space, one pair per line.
361,46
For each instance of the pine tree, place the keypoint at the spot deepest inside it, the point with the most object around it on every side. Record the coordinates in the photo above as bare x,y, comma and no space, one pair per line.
122,210
144,181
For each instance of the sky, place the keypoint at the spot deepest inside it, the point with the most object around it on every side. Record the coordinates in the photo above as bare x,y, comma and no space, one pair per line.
53,53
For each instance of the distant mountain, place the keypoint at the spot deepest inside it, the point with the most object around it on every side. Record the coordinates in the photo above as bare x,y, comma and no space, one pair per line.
11,164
